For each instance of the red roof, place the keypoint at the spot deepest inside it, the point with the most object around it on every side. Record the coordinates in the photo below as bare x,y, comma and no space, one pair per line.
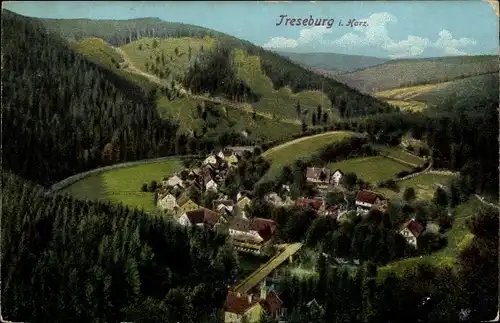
238,304
414,227
203,215
314,203
273,302
366,197
264,227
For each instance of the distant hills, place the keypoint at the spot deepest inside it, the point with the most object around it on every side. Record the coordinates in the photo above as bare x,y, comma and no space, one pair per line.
333,63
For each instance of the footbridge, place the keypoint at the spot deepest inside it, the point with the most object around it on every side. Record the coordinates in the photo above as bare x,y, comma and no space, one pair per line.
260,274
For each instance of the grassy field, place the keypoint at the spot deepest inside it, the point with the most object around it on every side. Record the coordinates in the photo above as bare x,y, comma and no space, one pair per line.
281,102
402,155
101,53
458,238
291,151
123,185
224,118
424,184
144,52
421,97
400,73
371,169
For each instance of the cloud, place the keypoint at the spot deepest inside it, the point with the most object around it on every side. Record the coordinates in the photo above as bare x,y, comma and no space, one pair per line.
280,43
376,35
495,5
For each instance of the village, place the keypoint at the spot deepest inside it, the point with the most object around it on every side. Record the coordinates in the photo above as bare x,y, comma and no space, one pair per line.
253,235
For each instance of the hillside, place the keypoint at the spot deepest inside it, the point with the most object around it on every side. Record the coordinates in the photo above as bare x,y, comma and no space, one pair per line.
334,63
281,71
411,72
64,114
457,93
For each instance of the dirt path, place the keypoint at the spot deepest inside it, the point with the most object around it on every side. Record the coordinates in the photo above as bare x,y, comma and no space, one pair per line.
288,143
480,198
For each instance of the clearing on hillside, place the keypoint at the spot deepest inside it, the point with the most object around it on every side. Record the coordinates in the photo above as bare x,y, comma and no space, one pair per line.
291,151
371,169
219,118
167,57
103,54
424,184
458,238
123,185
281,102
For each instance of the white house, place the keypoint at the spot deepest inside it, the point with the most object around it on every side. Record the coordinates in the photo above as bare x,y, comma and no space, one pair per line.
336,177
411,230
168,202
211,185
173,182
256,230
211,159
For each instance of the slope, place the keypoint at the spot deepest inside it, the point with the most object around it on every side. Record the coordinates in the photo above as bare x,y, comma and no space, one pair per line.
63,114
333,62
412,72
280,70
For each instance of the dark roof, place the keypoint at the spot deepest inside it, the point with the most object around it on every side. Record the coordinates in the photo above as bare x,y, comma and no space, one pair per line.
240,224
366,197
203,215
414,227
315,173
273,302
314,203
264,227
238,304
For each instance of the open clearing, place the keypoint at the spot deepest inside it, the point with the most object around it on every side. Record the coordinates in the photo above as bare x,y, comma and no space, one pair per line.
458,238
402,155
123,185
424,184
291,151
371,169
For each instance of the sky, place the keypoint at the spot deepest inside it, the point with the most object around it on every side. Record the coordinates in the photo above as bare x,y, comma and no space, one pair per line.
387,29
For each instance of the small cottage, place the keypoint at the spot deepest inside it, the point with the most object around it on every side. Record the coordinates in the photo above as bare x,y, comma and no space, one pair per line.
411,230
318,175
201,217
336,177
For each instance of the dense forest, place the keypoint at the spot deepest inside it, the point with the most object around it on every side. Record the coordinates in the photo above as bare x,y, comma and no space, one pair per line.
63,115
67,260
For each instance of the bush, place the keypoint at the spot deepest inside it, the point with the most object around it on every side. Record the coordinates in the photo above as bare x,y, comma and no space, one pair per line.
144,187
410,148
402,174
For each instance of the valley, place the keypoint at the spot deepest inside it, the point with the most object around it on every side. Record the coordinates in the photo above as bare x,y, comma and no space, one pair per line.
167,172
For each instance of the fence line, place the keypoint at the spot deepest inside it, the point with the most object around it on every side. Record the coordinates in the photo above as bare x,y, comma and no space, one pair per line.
77,177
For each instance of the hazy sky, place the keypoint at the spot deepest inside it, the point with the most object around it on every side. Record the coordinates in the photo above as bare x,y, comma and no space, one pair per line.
393,28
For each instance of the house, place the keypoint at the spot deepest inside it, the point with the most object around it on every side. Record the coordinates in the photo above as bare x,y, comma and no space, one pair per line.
194,174
232,159
167,202
334,210
243,199
223,206
211,159
317,204
185,204
208,179
336,177
174,181
247,307
201,217
256,230
239,150
318,175
365,201
411,230
314,307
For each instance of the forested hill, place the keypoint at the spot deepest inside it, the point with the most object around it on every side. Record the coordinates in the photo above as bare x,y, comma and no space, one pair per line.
282,71
63,114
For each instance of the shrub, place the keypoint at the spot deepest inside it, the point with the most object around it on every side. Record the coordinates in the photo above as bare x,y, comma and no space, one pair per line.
144,187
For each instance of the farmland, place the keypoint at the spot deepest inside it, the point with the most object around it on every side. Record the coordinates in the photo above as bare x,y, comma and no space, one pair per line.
291,151
424,185
371,169
123,185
